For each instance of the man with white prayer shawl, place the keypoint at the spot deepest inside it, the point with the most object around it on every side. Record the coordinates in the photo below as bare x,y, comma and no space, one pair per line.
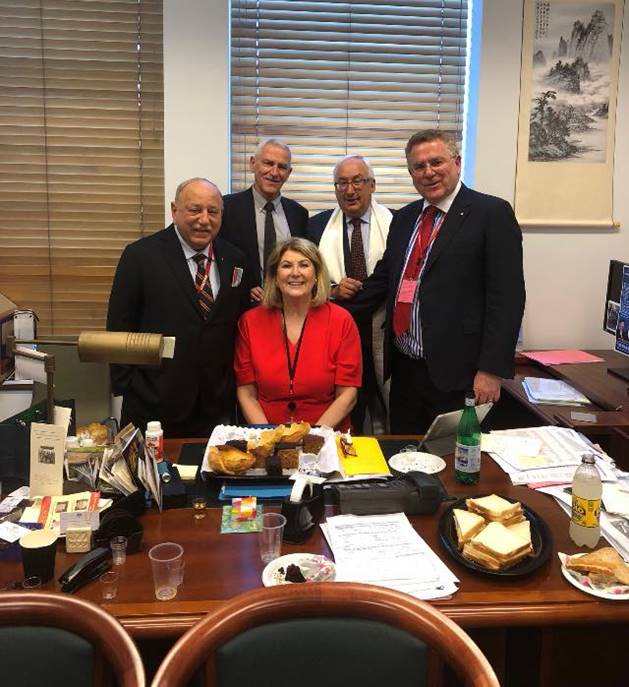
352,239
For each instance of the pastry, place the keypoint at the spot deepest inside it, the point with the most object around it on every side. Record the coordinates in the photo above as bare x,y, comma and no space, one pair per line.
295,432
289,458
227,460
312,443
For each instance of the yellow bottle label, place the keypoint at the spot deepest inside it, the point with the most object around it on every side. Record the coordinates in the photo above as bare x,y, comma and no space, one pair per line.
585,512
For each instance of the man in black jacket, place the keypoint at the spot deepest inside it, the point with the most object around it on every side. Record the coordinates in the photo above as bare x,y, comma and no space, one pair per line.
258,218
184,282
452,280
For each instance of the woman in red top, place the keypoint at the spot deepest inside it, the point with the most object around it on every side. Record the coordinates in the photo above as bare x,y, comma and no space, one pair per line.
297,356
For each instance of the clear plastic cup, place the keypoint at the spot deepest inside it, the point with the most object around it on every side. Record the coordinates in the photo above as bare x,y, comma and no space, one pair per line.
118,549
163,557
270,536
109,585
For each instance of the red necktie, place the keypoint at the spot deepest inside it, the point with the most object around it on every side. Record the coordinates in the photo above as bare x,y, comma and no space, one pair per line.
357,252
202,282
402,311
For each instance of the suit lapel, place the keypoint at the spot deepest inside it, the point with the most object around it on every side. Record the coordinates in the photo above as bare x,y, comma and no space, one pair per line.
175,259
249,228
451,225
291,216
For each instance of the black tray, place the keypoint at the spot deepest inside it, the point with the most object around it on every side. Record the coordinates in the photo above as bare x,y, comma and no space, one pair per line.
541,539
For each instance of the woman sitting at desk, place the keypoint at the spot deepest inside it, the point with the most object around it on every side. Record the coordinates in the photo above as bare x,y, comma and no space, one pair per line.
297,356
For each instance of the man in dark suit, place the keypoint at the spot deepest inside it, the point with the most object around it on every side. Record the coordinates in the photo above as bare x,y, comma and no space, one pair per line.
258,218
452,279
184,282
352,238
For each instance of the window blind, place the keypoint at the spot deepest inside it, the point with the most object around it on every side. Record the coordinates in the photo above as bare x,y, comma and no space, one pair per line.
81,135
332,78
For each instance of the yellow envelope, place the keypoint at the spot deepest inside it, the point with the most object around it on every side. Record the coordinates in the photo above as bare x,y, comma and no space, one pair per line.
369,461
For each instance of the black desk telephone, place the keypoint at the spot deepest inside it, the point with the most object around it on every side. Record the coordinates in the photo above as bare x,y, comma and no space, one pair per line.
87,568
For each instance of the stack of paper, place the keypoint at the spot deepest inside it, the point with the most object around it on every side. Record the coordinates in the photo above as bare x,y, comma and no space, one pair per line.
542,455
552,392
385,550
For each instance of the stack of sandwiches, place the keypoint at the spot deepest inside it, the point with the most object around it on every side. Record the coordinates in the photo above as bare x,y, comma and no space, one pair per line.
493,532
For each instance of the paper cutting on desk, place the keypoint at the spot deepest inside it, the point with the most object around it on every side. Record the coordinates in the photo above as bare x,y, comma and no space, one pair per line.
386,550
561,357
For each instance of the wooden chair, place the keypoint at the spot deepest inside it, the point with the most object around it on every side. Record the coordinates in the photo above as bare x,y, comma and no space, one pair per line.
330,633
55,639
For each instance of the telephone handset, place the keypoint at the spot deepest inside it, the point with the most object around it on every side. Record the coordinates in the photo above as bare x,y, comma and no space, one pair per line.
86,569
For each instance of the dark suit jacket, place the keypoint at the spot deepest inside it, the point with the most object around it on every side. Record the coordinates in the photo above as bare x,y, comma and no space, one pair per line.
471,294
153,291
239,226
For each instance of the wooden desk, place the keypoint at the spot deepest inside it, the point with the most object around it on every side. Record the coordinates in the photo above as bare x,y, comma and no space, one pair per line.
608,393
539,610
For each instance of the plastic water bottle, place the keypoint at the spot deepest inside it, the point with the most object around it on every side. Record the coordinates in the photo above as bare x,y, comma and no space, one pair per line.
585,527
467,451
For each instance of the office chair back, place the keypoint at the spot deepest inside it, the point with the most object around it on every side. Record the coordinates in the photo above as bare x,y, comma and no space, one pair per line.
58,640
323,633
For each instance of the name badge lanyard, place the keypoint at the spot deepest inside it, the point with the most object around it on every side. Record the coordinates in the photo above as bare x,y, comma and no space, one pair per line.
292,366
206,275
414,276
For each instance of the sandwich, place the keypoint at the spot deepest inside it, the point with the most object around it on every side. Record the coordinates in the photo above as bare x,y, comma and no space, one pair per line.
496,509
522,530
467,525
603,566
496,547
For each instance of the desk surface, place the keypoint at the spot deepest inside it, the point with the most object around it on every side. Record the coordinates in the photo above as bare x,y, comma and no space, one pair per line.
219,567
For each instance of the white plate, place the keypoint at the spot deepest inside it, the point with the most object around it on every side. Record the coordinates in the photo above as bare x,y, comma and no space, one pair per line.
313,567
575,578
417,461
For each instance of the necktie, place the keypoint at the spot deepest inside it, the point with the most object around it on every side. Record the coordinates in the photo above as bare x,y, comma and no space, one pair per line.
269,234
402,311
202,282
357,252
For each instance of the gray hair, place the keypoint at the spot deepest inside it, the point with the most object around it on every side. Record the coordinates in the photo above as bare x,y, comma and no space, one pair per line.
187,182
429,135
353,157
273,142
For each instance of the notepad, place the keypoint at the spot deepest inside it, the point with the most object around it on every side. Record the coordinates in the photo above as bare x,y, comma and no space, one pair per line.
369,461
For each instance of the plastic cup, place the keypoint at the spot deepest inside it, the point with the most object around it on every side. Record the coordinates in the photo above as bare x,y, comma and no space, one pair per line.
163,557
176,570
109,585
38,554
118,549
199,505
270,536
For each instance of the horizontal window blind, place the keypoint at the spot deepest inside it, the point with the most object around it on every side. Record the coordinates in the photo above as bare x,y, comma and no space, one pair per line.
81,135
332,78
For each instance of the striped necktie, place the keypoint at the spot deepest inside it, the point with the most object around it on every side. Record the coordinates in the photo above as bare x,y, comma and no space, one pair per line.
202,282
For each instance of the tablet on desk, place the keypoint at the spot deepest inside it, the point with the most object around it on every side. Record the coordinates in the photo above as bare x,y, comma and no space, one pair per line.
440,439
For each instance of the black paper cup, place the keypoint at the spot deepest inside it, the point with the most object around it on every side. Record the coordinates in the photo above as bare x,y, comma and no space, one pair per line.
38,554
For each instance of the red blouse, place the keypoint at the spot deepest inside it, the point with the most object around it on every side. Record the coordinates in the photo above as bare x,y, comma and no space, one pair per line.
329,357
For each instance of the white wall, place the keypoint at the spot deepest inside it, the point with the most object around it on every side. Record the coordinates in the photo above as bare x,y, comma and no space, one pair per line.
565,270
196,93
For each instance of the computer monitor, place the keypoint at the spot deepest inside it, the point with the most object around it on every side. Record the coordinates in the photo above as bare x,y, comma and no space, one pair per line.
616,315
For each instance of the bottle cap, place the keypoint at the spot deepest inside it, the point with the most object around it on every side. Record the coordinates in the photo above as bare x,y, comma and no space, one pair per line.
154,426
470,398
588,458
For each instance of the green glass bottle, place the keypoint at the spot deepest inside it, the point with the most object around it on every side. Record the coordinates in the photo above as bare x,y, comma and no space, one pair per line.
467,451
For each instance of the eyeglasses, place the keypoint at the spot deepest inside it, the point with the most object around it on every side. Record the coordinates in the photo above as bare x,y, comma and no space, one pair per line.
435,164
356,183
